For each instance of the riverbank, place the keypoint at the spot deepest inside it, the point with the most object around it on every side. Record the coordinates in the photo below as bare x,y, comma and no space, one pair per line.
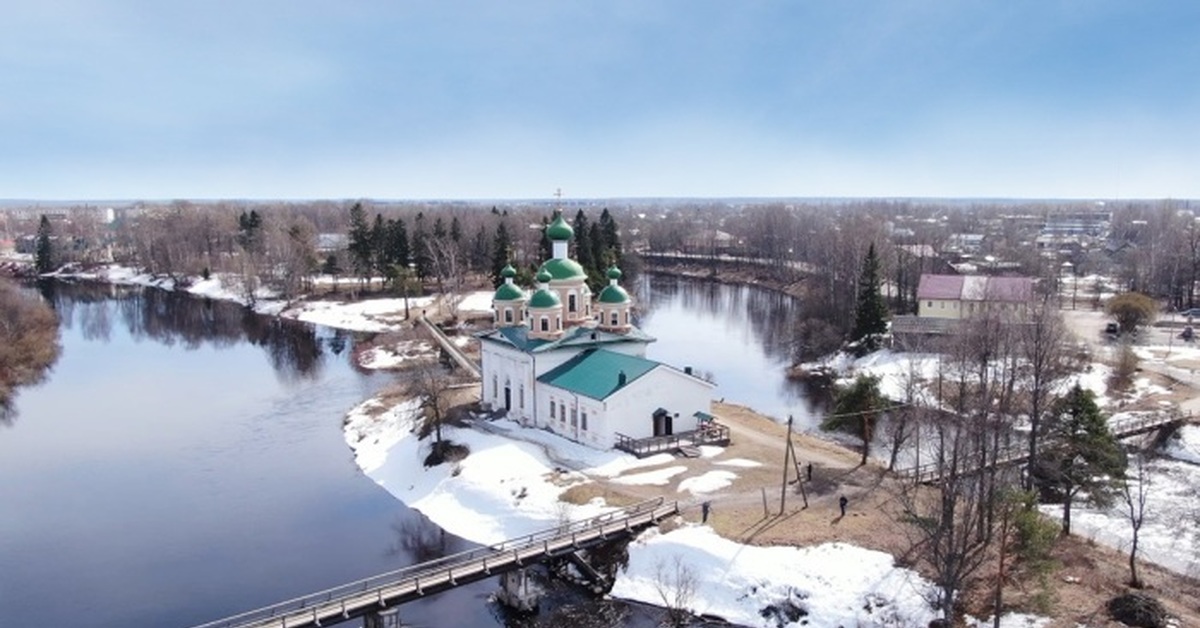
731,481
749,274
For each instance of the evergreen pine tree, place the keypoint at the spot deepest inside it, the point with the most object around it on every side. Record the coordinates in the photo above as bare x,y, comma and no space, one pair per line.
501,248
583,247
420,247
1085,458
379,261
250,236
612,237
856,409
43,259
871,312
455,230
359,244
481,250
545,246
600,261
397,244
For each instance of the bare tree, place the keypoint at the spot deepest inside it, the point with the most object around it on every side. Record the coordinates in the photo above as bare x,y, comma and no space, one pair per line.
1134,491
676,587
434,387
952,523
1046,359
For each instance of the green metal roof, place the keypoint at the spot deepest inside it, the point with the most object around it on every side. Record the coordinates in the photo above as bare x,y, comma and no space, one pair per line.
596,373
559,230
614,272
545,298
508,271
508,292
613,294
517,336
563,269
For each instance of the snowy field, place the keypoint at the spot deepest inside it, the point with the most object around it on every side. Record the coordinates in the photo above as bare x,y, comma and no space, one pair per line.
510,486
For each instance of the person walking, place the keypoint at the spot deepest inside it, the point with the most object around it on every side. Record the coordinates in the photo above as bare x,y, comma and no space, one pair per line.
704,508
808,470
842,501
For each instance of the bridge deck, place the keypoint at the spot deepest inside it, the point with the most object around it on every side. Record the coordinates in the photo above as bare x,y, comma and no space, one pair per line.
1125,428
397,587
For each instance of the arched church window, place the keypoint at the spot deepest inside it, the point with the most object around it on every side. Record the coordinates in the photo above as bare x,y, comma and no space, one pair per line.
545,324
571,303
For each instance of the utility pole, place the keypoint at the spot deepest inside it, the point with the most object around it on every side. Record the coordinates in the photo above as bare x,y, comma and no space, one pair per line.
787,453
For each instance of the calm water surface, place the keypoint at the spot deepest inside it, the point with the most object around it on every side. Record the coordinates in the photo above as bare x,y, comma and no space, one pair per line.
740,335
184,462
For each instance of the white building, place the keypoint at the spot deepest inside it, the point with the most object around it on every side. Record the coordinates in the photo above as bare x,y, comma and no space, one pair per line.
558,361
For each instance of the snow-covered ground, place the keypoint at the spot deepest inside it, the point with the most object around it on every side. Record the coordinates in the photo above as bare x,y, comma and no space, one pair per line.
510,486
369,315
1171,534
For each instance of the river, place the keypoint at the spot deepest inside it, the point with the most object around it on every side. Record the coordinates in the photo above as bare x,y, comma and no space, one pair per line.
741,337
184,461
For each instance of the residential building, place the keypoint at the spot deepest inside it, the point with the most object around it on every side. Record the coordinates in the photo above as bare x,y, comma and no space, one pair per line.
964,296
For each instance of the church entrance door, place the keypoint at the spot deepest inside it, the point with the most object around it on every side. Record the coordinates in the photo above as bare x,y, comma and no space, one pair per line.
663,423
507,398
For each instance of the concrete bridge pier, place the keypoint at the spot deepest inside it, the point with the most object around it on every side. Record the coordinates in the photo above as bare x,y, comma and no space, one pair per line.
518,593
387,618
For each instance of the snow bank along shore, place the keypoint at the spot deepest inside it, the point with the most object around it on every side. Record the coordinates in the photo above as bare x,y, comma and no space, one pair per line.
510,485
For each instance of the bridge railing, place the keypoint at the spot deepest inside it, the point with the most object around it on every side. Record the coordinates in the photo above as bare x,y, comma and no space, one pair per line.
438,566
1120,428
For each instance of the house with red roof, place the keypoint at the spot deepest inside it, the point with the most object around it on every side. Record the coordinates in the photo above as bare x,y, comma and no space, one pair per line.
960,297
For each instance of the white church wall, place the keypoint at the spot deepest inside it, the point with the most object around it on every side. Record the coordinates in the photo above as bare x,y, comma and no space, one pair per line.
506,367
630,410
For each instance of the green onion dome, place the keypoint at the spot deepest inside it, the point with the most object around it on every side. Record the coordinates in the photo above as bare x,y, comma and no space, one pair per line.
544,275
559,230
508,271
614,272
561,269
545,298
508,292
613,294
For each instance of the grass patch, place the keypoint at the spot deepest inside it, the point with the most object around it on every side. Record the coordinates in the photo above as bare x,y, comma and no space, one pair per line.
583,493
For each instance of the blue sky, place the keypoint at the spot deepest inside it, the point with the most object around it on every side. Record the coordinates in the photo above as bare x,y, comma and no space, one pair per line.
161,99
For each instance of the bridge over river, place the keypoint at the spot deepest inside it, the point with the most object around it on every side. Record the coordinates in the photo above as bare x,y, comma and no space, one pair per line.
371,596
1123,428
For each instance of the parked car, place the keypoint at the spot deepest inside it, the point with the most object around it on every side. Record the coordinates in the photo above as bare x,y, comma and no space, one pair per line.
1112,329
1192,313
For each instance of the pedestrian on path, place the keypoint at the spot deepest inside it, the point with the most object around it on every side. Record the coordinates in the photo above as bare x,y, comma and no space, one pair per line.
808,470
842,501
704,508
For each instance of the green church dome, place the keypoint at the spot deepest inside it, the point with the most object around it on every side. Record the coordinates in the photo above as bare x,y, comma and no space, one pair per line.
508,271
544,275
614,272
559,230
561,269
545,298
613,294
508,292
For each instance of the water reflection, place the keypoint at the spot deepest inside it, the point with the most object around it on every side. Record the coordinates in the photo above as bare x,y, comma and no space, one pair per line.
741,337
166,474
294,350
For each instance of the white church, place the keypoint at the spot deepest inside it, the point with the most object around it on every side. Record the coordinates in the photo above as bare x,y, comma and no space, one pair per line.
558,360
